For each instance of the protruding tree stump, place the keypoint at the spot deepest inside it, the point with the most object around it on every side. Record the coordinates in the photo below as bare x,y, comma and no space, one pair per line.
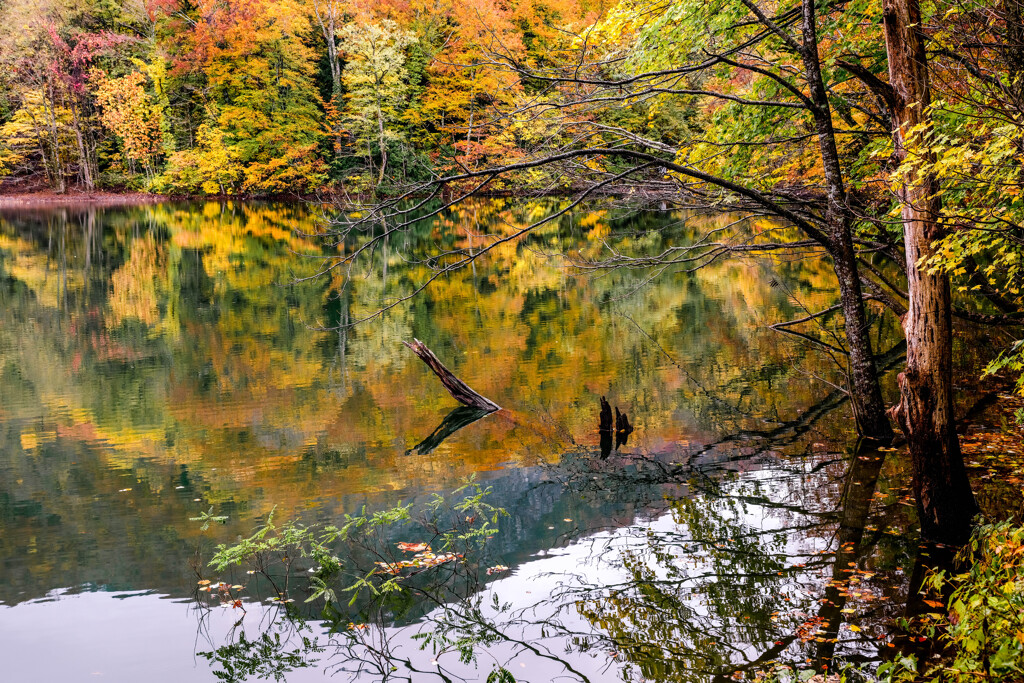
622,425
459,390
605,424
620,428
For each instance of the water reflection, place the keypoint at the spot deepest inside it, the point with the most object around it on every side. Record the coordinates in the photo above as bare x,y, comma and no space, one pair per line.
460,417
734,575
159,361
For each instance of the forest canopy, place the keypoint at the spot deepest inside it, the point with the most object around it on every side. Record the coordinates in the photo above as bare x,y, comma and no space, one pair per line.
261,97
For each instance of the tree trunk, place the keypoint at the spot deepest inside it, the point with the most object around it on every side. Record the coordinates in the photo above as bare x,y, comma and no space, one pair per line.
85,167
945,503
865,392
459,390
58,167
327,15
383,141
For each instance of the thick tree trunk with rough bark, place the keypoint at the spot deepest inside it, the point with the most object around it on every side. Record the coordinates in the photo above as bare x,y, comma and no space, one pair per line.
945,502
865,392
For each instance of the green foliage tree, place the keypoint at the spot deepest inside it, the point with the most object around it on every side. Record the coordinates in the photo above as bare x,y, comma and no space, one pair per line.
376,83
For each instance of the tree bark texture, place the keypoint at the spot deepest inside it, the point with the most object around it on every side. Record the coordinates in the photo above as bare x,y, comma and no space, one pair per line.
865,391
945,503
459,390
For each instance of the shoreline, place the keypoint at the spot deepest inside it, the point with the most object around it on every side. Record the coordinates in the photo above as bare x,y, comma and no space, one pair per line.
29,200
76,197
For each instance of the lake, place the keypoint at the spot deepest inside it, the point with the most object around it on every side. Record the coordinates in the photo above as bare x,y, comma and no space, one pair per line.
162,362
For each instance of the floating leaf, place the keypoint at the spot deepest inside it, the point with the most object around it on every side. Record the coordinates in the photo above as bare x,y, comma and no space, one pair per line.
413,547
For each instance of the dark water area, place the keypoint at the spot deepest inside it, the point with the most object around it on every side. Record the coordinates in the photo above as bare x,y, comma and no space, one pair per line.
162,362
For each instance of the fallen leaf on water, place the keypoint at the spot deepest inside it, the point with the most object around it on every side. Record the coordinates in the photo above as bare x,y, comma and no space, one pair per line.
413,547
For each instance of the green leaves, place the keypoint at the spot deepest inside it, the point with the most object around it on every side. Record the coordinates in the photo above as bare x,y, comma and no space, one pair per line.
273,549
984,627
207,517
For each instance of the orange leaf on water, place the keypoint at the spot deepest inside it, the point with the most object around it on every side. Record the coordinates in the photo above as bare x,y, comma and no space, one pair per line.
413,547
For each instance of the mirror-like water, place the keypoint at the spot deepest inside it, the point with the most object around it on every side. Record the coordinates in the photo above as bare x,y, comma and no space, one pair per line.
161,362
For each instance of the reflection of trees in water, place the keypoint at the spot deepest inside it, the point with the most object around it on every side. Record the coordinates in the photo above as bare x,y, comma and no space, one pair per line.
750,562
145,342
177,343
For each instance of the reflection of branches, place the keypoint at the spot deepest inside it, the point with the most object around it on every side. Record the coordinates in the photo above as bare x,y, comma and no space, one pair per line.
712,584
458,418
710,395
267,656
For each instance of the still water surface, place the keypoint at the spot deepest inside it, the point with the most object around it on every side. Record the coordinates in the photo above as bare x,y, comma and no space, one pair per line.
160,362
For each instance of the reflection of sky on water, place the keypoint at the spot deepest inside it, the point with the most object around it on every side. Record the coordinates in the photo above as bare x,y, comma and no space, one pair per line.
110,636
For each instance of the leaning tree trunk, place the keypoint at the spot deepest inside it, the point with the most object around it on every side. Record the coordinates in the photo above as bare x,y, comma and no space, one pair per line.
945,503
865,392
458,389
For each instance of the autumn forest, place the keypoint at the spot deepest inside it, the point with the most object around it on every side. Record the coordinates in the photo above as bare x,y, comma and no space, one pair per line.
512,340
265,97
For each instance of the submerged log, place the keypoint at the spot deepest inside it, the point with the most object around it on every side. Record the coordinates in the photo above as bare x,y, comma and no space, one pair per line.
459,390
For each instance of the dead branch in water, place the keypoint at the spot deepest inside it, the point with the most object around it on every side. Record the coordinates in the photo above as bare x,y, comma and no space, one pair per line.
459,390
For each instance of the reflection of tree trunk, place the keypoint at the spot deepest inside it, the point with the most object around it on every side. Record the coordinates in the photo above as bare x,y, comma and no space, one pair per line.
343,319
859,488
62,280
90,229
930,559
454,421
945,503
